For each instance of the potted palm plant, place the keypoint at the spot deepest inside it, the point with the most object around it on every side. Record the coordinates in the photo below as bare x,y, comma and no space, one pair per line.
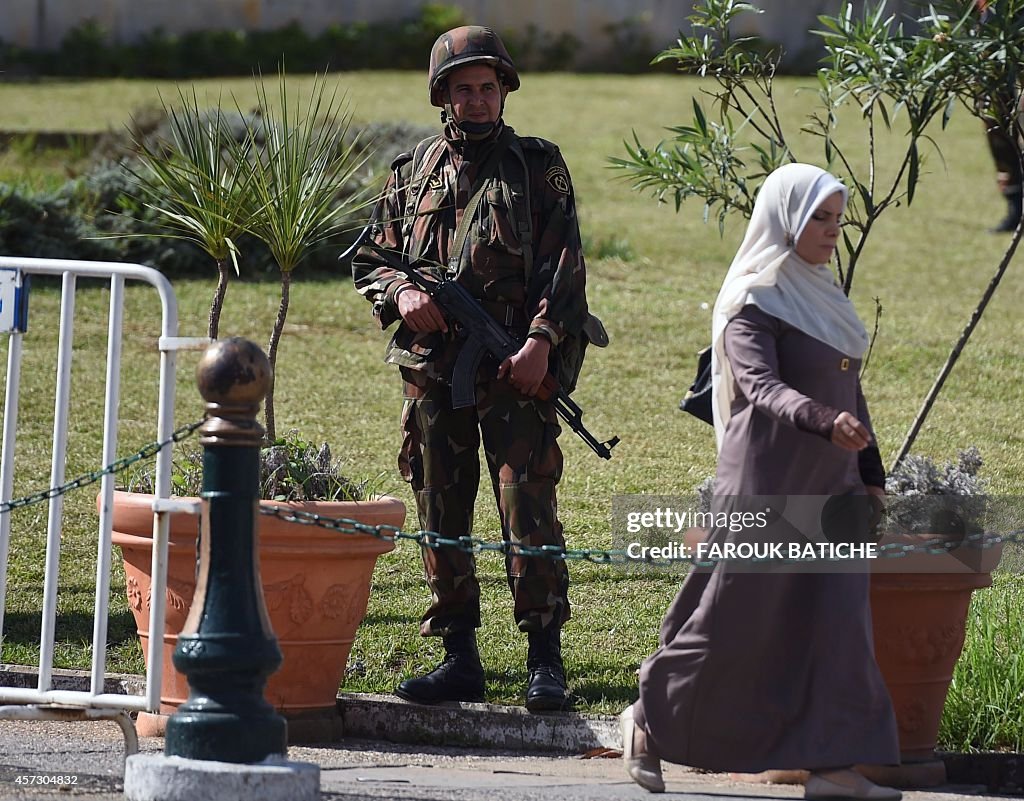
279,183
316,580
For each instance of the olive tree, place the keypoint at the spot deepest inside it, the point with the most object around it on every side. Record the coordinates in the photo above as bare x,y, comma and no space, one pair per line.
903,75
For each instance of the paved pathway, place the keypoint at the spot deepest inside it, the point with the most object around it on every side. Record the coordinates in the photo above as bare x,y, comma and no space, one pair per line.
92,753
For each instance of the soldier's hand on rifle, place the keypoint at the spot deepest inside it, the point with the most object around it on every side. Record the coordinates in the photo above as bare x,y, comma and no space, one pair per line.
527,368
418,309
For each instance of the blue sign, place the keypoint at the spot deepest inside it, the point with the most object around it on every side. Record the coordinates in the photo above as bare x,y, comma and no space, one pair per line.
13,302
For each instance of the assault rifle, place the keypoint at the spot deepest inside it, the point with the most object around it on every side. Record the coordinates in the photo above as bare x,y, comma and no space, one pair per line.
483,334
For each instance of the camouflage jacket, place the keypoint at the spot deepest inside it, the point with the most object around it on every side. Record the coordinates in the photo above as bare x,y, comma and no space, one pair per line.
530,192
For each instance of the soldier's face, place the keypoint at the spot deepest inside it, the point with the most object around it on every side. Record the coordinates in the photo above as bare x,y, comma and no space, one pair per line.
818,240
476,94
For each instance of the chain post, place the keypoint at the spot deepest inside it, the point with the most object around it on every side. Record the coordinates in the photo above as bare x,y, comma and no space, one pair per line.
227,648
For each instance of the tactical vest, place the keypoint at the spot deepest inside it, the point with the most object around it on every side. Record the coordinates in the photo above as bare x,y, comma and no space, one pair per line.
514,188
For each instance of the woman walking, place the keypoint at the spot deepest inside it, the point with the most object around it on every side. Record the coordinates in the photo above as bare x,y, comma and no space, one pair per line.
761,669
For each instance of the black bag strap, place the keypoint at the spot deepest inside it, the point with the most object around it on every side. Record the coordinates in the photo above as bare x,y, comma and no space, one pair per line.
697,400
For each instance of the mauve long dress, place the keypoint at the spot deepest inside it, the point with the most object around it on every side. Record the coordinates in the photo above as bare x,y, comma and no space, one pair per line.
759,670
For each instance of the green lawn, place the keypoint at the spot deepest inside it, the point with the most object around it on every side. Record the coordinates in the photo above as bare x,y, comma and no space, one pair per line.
927,265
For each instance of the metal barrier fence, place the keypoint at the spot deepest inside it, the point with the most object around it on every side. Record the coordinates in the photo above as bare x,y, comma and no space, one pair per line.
14,273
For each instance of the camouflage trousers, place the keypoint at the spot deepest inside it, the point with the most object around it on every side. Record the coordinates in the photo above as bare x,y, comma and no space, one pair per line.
440,459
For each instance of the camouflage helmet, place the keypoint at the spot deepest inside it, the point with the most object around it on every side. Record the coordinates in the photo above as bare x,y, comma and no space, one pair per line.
470,44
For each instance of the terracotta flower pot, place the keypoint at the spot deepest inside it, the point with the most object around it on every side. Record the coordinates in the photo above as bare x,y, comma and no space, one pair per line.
316,583
919,621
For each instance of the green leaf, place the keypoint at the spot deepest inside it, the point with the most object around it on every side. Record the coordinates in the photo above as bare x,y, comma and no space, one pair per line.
912,175
234,252
847,242
866,199
885,116
699,118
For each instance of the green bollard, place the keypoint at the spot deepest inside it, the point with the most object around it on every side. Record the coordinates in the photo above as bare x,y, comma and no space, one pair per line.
227,648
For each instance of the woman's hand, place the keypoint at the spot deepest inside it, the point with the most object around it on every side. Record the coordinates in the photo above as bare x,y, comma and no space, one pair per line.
850,433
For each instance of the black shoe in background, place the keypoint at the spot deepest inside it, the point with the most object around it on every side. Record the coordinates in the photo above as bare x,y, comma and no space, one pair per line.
1014,211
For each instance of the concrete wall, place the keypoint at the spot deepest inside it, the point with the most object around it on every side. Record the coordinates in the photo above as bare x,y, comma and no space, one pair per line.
42,24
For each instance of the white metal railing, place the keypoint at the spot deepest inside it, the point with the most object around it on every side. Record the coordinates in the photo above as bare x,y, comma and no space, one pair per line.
95,700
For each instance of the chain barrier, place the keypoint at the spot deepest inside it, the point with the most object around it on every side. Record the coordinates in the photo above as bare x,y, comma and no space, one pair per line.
474,545
431,539
599,556
146,452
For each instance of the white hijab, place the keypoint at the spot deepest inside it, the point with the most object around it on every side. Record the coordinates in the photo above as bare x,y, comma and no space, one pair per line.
768,273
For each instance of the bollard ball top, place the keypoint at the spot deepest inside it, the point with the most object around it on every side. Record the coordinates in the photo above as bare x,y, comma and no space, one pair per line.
234,371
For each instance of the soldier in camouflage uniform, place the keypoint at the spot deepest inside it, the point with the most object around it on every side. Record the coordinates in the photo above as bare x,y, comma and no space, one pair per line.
522,259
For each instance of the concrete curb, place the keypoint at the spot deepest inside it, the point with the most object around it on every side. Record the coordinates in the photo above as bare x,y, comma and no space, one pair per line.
512,728
385,717
1000,773
27,676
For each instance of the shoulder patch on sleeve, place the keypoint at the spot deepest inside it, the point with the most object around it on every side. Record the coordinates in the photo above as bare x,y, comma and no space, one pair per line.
558,179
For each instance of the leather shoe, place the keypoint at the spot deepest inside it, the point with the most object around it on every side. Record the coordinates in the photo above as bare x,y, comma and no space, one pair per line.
846,784
643,767
1014,211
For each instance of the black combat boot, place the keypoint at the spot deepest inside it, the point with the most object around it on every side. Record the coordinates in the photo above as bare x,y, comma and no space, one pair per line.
547,691
1014,210
459,677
